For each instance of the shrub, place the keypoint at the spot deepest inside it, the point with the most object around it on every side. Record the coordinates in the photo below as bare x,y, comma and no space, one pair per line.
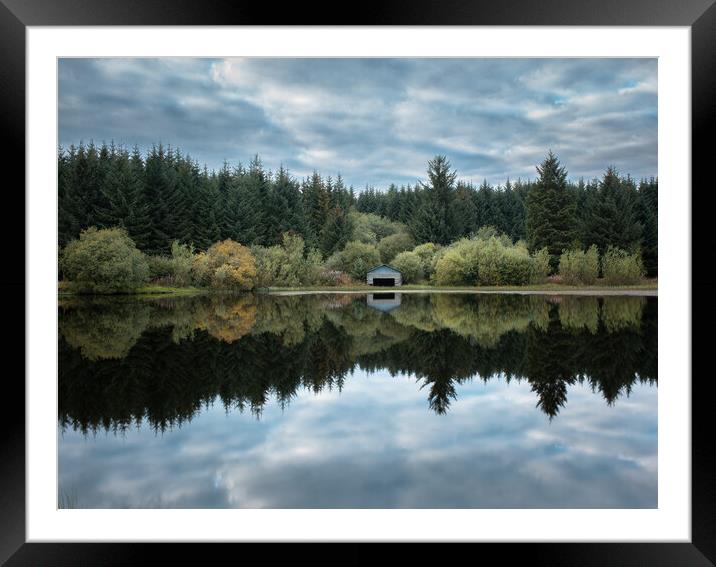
619,267
488,232
285,264
540,267
410,266
181,262
160,268
390,246
230,277
104,261
333,277
579,267
428,254
175,269
516,266
225,265
458,264
355,259
484,261
370,228
268,264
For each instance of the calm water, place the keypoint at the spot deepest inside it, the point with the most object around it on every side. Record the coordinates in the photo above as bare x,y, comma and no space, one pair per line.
358,401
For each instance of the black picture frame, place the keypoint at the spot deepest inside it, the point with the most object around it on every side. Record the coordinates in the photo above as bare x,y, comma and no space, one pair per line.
700,15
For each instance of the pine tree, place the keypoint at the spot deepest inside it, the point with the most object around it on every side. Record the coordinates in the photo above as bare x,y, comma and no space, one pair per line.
164,198
336,232
612,220
287,206
317,203
226,202
434,220
465,210
648,215
68,200
550,211
124,203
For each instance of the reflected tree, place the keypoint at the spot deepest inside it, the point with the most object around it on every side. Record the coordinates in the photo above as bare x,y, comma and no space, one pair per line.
123,361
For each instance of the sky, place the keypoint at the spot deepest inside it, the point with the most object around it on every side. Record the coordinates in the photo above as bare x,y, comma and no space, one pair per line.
374,121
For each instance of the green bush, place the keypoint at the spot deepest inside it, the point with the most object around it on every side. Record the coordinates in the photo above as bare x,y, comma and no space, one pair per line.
286,265
428,254
355,259
390,246
516,267
160,267
458,264
591,265
181,262
540,268
577,267
174,269
268,265
488,232
484,261
371,229
104,261
619,267
409,265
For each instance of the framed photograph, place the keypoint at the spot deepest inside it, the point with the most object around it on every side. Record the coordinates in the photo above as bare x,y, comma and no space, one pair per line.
388,280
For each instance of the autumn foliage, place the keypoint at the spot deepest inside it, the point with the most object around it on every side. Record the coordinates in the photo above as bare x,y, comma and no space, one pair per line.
226,265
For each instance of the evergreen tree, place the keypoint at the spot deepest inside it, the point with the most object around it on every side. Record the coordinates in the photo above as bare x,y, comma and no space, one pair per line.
465,210
166,196
648,214
124,204
612,220
68,199
550,211
317,204
434,220
336,232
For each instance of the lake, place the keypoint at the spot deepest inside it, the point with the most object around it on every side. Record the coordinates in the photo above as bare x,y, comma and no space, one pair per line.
385,400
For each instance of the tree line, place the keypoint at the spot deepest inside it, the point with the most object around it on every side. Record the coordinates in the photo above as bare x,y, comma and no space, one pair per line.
548,211
166,196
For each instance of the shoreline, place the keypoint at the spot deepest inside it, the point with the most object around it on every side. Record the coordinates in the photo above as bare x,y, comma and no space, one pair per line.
477,291
644,290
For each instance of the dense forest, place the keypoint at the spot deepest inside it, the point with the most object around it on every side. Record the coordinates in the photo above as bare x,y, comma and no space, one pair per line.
166,196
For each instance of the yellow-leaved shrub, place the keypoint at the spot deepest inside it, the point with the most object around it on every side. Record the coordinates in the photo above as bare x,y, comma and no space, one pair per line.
226,265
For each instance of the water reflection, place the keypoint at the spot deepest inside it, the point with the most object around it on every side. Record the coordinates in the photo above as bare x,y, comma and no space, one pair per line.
163,360
384,301
358,401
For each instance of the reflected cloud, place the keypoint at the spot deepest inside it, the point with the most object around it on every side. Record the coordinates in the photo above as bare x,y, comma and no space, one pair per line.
490,452
324,401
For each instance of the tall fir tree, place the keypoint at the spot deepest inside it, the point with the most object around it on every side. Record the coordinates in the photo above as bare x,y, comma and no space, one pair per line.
336,232
434,220
550,211
648,217
317,204
124,204
612,220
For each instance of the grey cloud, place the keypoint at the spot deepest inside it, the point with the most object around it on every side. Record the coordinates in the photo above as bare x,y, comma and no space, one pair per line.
376,121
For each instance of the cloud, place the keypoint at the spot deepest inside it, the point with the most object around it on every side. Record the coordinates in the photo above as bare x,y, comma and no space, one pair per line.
377,444
375,121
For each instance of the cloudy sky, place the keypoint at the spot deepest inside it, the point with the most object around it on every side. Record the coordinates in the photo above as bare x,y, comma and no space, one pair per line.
375,121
